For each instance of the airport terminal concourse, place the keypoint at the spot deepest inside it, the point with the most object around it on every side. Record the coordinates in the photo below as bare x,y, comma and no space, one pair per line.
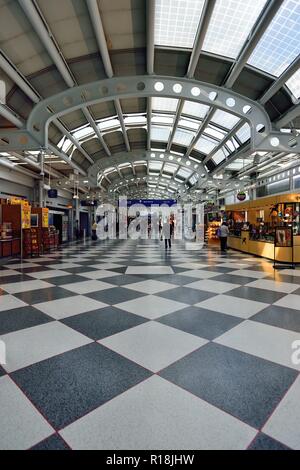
149,225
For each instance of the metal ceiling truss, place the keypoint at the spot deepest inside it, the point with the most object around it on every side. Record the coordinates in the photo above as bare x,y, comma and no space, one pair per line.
263,137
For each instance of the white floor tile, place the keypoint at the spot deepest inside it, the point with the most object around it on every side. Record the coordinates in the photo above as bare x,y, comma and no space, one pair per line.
151,306
8,302
107,266
85,287
284,424
150,286
249,273
265,341
21,265
191,265
64,266
210,285
63,308
25,347
291,272
200,274
289,301
17,287
48,274
153,345
100,274
275,286
8,272
21,424
242,308
156,414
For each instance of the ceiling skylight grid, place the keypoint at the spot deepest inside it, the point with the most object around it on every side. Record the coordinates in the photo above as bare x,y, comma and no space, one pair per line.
205,145
244,133
224,119
160,133
230,25
280,44
176,22
164,104
197,110
182,137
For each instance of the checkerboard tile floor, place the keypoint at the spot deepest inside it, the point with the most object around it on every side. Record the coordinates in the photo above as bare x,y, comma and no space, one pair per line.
123,345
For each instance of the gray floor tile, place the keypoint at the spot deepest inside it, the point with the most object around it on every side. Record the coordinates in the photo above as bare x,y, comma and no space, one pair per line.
243,385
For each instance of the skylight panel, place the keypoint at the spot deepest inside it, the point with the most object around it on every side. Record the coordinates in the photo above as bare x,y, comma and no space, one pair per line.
182,137
171,168
184,173
218,157
205,145
197,110
280,44
83,132
155,166
225,119
164,104
230,25
135,120
294,84
160,133
193,125
108,124
176,22
161,119
215,133
244,133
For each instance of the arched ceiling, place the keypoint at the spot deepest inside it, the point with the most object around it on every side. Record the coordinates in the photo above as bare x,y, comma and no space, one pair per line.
251,47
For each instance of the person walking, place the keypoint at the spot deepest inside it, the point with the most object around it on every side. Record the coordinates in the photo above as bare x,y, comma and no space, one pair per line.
224,232
94,231
166,233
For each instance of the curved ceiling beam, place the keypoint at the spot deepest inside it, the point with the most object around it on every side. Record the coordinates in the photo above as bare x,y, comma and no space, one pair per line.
138,155
140,86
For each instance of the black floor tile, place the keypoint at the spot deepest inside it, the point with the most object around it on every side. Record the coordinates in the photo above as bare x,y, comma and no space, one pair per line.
2,372
81,269
253,293
122,279
68,386
21,318
232,279
104,322
241,384
175,279
61,280
115,295
33,269
200,322
54,442
186,295
282,317
14,278
44,295
264,442
220,269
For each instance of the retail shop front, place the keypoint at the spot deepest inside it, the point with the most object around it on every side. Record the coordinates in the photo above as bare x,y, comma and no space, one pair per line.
267,227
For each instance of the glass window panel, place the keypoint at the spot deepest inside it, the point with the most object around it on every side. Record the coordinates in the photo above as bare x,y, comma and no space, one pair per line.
216,133
83,132
294,84
170,167
155,165
164,104
161,119
244,133
138,120
280,44
184,173
218,157
108,124
225,119
205,145
160,133
189,123
176,22
183,137
195,109
230,25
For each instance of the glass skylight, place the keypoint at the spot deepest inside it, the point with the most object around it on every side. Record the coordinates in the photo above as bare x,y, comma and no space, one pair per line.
294,84
280,44
176,22
164,104
182,137
135,120
215,133
230,25
184,173
205,145
195,109
193,125
161,119
225,119
108,124
244,133
83,132
160,133
218,157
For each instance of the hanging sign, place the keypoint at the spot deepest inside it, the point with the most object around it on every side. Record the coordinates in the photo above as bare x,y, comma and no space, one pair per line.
241,195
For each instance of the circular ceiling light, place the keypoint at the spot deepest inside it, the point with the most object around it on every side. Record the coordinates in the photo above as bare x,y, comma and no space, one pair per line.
159,86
